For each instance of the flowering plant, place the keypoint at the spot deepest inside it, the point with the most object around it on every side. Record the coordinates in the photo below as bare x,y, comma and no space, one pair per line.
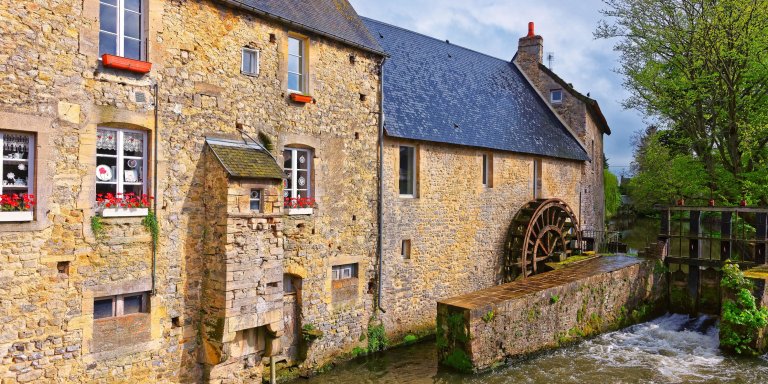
123,200
299,202
16,202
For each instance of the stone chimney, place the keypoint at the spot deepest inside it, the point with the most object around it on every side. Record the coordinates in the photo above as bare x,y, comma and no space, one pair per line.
530,51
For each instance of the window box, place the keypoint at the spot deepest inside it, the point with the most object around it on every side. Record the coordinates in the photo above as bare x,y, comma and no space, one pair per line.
299,98
300,211
117,62
124,212
16,216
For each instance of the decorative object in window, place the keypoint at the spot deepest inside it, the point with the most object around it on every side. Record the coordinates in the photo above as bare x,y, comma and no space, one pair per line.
297,191
296,65
346,271
17,199
120,305
121,158
407,180
250,62
256,200
556,96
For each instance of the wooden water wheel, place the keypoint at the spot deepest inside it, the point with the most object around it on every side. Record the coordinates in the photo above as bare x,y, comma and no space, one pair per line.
543,230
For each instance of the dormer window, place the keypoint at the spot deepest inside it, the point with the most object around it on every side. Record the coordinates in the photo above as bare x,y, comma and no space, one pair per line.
121,28
556,96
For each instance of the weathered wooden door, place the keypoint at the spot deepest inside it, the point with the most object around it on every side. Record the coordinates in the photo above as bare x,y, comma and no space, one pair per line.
291,317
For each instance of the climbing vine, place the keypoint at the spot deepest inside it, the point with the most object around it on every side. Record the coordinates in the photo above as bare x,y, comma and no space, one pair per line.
741,319
97,226
150,223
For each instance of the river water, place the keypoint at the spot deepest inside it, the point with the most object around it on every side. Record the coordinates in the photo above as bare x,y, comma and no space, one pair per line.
669,349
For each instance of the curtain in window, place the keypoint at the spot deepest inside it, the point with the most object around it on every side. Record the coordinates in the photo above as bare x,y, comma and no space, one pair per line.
133,142
106,140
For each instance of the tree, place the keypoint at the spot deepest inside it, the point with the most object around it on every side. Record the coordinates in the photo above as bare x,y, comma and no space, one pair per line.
612,194
700,68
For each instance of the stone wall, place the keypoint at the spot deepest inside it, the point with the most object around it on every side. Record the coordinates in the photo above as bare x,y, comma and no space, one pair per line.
457,226
54,86
488,327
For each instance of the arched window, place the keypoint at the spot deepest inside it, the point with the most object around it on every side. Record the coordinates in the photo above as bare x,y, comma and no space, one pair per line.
297,165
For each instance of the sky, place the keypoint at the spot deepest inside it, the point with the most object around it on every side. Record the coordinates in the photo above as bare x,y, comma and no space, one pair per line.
494,26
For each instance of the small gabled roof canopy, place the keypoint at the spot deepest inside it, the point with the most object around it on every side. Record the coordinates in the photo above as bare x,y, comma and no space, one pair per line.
245,160
437,91
335,19
593,108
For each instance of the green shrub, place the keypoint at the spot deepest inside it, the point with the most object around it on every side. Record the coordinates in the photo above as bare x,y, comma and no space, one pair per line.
741,319
377,336
410,339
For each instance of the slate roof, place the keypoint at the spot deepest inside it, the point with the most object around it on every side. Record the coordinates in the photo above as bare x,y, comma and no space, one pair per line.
593,108
245,160
440,92
331,18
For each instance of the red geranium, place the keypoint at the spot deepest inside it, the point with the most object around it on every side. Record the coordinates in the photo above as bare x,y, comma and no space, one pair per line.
127,200
16,202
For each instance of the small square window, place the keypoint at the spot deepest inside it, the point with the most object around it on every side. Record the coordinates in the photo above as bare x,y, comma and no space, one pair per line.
256,200
250,63
405,249
103,308
346,271
556,96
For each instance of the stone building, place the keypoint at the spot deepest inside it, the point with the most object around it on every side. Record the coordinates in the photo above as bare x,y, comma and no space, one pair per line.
469,140
156,97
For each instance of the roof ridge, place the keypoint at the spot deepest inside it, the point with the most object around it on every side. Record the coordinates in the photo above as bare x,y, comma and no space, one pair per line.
433,38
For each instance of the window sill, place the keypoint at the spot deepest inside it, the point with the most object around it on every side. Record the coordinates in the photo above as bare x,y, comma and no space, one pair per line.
16,216
124,212
300,211
407,196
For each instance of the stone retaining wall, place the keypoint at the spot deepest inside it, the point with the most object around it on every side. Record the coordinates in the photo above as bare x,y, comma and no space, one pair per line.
482,329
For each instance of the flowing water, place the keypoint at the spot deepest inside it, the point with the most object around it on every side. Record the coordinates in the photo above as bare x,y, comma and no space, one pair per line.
670,349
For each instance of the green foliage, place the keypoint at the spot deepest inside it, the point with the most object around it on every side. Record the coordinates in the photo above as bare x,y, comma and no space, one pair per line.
459,360
266,141
489,316
554,299
310,333
377,336
97,226
150,223
359,351
698,69
659,268
410,339
741,319
612,193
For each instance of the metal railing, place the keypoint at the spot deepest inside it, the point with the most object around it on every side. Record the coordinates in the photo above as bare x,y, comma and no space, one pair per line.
602,241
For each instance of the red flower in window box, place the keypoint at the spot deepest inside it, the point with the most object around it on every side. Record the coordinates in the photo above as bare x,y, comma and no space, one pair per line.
299,98
299,202
117,62
16,202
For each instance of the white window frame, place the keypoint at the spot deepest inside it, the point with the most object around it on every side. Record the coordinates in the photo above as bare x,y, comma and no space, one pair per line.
118,308
120,46
120,156
256,61
29,162
412,193
344,271
552,94
294,170
302,64
258,200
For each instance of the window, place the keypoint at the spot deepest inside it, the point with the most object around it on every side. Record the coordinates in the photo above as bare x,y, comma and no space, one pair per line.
487,170
296,65
256,200
120,28
556,96
407,179
405,249
537,179
346,271
17,151
121,158
250,63
120,305
297,166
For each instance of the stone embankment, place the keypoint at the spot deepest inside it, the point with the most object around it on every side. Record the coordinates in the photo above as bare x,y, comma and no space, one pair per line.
485,328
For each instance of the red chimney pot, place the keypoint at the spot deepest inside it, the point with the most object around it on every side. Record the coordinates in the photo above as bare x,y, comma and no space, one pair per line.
530,29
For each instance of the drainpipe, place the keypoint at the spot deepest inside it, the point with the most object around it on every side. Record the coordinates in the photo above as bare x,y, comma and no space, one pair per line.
381,186
154,188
